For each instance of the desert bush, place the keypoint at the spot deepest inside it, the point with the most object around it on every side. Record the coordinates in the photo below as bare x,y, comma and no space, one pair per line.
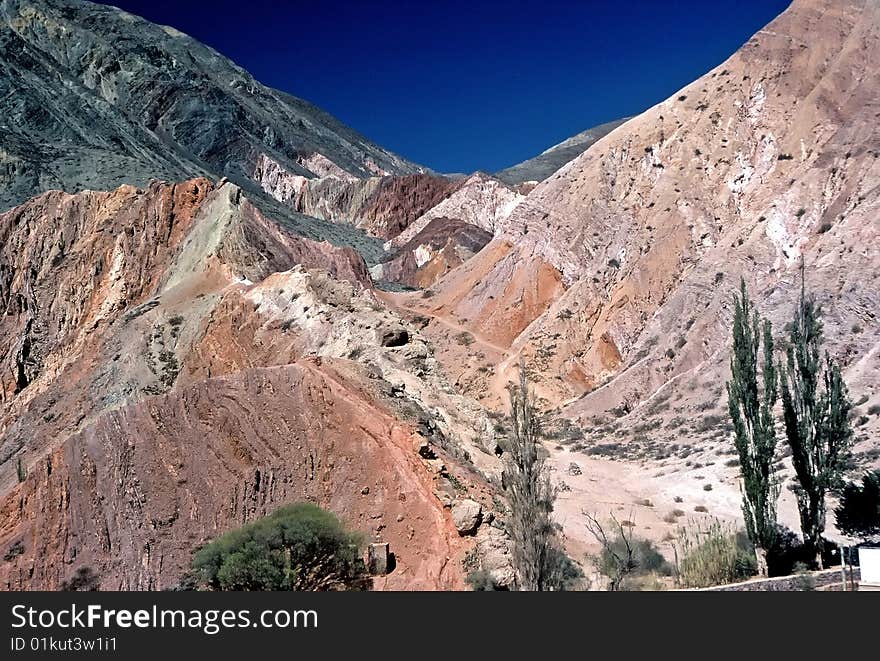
713,554
465,339
85,579
624,557
707,422
297,547
481,580
14,551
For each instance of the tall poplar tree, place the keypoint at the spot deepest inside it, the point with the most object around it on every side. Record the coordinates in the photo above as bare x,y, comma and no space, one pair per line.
751,412
817,425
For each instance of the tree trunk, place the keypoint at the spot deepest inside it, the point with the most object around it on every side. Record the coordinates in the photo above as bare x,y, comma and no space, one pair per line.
761,556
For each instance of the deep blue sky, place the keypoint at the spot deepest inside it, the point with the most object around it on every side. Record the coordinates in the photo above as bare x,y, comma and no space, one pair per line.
461,86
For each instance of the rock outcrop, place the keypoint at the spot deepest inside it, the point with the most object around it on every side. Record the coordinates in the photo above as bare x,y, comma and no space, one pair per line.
381,206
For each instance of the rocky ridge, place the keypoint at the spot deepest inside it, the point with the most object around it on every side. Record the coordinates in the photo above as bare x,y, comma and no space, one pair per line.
97,97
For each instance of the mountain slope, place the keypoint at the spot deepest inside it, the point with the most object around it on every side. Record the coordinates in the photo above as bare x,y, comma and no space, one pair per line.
612,281
181,308
95,97
549,161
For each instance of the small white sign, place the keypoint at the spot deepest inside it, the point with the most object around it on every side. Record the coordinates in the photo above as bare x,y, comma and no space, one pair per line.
869,563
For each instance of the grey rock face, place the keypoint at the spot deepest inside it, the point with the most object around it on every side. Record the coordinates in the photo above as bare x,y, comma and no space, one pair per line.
93,97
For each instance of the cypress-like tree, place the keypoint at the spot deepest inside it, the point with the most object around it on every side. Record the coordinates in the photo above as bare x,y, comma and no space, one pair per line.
751,412
537,555
817,425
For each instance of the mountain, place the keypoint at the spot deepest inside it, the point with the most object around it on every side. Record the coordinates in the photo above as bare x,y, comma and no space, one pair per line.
613,279
95,97
549,161
182,356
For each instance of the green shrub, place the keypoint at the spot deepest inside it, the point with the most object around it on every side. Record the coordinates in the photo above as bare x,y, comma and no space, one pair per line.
297,547
713,554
